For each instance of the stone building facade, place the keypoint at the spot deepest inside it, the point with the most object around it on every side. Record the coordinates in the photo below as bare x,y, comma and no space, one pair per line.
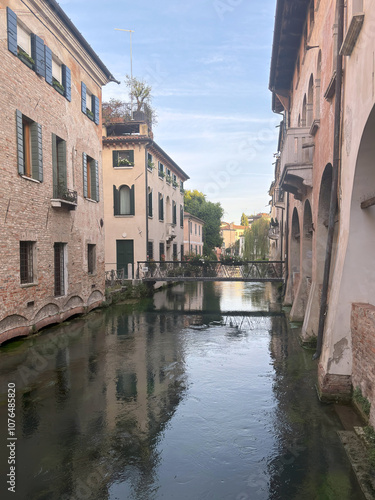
322,83
51,203
143,198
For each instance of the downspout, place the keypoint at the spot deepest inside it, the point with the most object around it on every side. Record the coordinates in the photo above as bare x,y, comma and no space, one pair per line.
147,207
286,242
335,176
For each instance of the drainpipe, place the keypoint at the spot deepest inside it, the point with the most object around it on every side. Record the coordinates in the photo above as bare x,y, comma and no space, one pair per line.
335,176
286,242
146,188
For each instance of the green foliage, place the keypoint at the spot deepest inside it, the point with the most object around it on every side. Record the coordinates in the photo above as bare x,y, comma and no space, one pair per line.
362,401
141,92
244,220
256,240
115,111
211,213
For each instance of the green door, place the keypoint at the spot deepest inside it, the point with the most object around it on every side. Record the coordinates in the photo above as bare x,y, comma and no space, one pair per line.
125,255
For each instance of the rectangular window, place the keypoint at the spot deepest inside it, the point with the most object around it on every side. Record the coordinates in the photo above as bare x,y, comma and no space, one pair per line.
23,39
56,70
168,177
174,180
199,230
89,104
195,229
59,260
124,158
91,259
161,170
191,227
150,161
174,212
150,250
161,251
150,203
59,172
27,261
181,187
182,252
181,216
29,147
90,177
174,251
161,207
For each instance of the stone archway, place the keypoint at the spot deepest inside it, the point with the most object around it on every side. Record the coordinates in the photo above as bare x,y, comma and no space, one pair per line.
294,259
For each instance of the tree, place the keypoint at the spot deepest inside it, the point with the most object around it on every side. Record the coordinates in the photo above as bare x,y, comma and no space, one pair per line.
256,239
211,213
244,220
115,111
141,92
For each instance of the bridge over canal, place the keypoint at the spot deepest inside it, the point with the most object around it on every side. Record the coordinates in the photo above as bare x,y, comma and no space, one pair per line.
202,270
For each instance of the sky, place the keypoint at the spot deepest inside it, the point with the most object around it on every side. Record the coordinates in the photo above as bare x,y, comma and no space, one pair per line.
208,64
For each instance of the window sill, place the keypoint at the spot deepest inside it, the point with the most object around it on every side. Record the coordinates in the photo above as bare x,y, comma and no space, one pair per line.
28,285
91,200
123,168
150,216
30,179
124,215
92,275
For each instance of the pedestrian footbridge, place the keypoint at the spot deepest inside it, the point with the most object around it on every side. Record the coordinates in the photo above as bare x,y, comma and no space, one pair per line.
205,270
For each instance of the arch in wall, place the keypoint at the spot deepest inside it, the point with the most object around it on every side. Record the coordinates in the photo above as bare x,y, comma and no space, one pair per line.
295,253
322,222
310,102
307,243
303,116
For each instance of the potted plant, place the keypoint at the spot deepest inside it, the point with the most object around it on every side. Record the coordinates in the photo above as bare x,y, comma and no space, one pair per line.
25,58
90,114
125,162
57,86
168,179
175,184
150,165
161,174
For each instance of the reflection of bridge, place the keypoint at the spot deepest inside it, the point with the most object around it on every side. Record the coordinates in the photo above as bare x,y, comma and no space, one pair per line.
202,270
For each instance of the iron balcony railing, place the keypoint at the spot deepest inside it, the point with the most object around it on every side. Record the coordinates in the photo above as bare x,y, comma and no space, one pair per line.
61,192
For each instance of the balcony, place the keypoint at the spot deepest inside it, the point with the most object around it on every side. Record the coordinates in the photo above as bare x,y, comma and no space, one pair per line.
171,232
274,233
297,161
64,198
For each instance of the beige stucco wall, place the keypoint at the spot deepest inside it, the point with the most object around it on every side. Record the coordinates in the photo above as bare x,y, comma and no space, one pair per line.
193,235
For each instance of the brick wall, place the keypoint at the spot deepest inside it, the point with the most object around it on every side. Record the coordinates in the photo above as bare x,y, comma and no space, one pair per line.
363,341
26,212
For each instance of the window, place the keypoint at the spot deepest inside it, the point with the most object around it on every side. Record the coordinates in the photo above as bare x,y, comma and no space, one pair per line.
123,200
174,181
199,230
161,251
161,207
60,272
182,252
174,251
181,216
161,170
90,177
191,227
123,158
150,250
150,162
195,229
168,176
29,147
91,258
27,261
23,39
57,74
89,104
181,186
149,202
59,167
174,212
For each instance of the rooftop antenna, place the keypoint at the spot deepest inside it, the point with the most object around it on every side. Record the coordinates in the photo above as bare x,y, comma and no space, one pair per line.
131,71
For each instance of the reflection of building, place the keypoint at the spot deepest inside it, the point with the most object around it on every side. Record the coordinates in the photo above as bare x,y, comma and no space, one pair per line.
326,147
231,233
143,197
52,252
193,234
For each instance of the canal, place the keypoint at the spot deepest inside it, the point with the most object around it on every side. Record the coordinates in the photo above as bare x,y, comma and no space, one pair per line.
200,393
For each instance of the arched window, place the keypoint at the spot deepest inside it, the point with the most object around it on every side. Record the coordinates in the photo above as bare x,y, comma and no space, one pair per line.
123,198
310,102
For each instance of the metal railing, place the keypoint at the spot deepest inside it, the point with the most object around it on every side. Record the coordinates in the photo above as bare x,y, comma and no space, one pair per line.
114,277
63,193
204,270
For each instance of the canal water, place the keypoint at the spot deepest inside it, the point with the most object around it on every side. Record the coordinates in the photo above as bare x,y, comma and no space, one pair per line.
201,393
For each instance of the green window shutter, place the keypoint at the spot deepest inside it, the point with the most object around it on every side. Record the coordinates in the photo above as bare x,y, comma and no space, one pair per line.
54,165
131,155
83,97
95,109
115,158
116,201
19,135
94,167
48,60
67,82
37,53
181,216
84,166
36,151
150,204
132,200
12,31
61,163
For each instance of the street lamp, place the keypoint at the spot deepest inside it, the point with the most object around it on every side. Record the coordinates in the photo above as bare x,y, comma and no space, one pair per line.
131,70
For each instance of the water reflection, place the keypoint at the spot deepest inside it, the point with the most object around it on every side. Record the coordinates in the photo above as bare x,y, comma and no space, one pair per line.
200,394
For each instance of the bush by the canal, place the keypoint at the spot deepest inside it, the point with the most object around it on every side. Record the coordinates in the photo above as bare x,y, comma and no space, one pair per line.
115,295
361,401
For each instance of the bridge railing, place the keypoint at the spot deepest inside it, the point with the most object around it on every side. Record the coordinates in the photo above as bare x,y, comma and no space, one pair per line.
201,269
